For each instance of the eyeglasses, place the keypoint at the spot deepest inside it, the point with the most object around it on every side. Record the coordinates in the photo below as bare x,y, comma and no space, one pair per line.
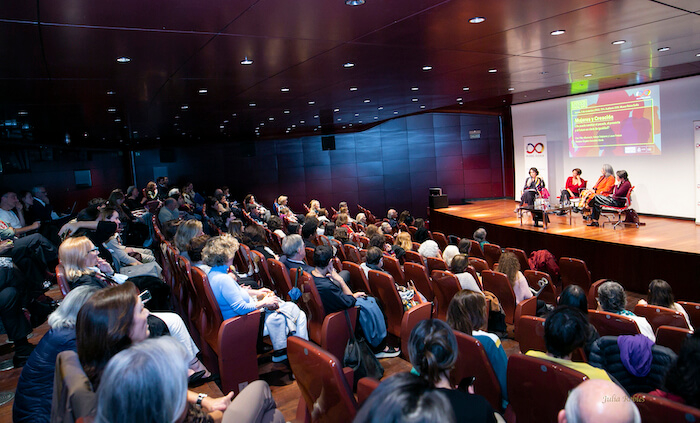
94,249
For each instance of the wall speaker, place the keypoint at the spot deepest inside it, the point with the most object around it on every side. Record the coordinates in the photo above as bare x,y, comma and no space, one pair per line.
328,143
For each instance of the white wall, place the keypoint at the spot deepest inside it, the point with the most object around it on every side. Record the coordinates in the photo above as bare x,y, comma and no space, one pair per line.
664,184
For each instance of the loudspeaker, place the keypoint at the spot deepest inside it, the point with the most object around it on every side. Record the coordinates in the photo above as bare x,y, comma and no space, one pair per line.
438,201
328,143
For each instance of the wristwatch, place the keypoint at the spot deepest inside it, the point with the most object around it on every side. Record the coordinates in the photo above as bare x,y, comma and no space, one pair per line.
200,397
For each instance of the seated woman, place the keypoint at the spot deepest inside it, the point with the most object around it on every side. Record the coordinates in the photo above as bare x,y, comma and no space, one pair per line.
450,252
533,186
343,221
185,232
574,185
459,265
275,225
467,314
618,198
613,299
429,248
510,266
254,237
661,294
403,240
153,372
432,349
574,296
314,206
122,256
603,186
682,379
480,237
35,385
281,318
341,234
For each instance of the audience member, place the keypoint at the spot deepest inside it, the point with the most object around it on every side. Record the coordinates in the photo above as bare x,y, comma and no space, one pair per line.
463,246
43,209
35,385
185,232
459,266
509,264
294,253
682,379
169,211
194,251
392,215
565,330
132,198
121,255
386,228
281,317
480,237
308,232
341,234
422,234
371,230
373,261
599,400
661,294
12,301
8,217
449,253
274,224
574,296
613,299
403,240
467,314
429,248
432,349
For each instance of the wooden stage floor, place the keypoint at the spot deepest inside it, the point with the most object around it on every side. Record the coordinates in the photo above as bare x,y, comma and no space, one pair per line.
664,248
659,233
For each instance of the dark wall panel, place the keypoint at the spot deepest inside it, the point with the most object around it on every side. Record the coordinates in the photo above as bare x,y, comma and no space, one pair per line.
390,165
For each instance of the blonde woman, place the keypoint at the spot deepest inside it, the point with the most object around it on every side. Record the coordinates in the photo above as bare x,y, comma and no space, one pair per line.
81,263
185,232
403,240
314,206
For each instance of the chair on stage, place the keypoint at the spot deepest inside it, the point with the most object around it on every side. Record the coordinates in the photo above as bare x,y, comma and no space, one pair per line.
631,216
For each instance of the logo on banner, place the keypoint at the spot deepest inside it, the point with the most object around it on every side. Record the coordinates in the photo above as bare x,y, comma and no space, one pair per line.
535,150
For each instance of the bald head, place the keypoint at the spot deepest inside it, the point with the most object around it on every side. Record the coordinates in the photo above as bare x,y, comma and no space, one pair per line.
597,400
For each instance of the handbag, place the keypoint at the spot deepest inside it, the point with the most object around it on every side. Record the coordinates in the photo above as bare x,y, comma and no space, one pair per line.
295,293
359,357
544,192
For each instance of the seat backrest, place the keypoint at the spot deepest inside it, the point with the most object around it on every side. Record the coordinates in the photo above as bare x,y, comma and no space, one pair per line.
593,294
612,324
242,259
445,286
211,313
441,240
574,272
263,270
419,276
339,250
237,350
414,257
530,334
280,275
661,410
549,294
522,258
693,311
473,361
311,303
320,378
660,316
383,286
352,253
479,264
497,283
61,279
411,318
537,389
475,275
492,253
435,263
335,332
391,265
358,279
475,250
364,241
672,337
309,256
188,299
525,308
73,397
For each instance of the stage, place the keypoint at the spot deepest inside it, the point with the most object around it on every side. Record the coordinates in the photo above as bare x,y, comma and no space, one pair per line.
664,248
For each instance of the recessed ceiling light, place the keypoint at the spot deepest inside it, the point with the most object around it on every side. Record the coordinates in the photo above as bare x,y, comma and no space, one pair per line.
302,122
465,88
348,65
111,109
376,117
315,116
357,114
380,108
246,61
184,107
110,92
85,134
477,20
336,110
354,2
311,103
493,70
294,126
339,119
618,42
252,104
123,59
203,91
460,99
396,112
25,113
359,121
587,75
427,68
226,121
177,117
118,119
697,55
286,112
367,100
234,114
662,49
284,90
557,32
414,88
422,106
414,99
511,89
270,118
221,126
353,88
262,123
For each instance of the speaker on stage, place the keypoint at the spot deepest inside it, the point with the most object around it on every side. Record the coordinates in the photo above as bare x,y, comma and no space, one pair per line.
437,200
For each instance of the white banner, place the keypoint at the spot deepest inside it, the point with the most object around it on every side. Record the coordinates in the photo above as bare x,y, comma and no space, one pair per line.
535,156
696,131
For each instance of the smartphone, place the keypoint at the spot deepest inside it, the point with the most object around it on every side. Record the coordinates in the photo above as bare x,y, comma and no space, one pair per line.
145,296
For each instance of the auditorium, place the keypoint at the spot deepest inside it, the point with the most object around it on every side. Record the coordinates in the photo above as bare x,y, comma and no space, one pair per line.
350,211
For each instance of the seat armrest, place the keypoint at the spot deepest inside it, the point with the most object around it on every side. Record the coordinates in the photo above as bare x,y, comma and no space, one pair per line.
365,387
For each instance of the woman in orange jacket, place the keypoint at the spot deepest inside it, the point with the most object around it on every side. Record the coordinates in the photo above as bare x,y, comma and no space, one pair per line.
604,186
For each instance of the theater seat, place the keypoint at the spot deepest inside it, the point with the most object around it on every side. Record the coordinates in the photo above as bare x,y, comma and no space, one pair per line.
435,263
672,337
61,279
593,294
475,250
280,275
445,286
497,283
549,294
492,253
537,389
479,264
383,286
660,316
530,334
73,397
524,308
661,410
574,272
441,240
411,318
473,361
391,265
522,258
310,303
352,253
418,274
693,310
414,257
612,324
358,280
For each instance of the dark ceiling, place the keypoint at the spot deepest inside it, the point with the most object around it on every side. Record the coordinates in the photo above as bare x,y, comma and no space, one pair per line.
59,74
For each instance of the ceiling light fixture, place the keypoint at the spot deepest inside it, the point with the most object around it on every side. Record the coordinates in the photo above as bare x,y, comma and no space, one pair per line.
587,75
284,90
24,113
110,92
414,88
380,108
203,91
396,112
270,118
336,110
427,68
357,114
123,59
422,106
302,122
246,61
460,99
618,42
353,88
315,116
367,100
662,49
111,109
184,107
118,120
252,104
414,99
465,88
338,119
376,117
311,103
511,89
354,2
557,32
286,112
476,20
493,70
348,65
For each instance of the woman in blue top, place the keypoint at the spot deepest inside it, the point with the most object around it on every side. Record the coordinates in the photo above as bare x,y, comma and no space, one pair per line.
467,314
281,318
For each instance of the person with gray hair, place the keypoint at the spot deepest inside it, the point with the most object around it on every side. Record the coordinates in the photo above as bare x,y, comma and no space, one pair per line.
480,237
294,253
597,400
603,186
429,248
169,211
613,299
35,384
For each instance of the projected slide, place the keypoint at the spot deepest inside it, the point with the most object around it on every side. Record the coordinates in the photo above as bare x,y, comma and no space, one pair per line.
615,123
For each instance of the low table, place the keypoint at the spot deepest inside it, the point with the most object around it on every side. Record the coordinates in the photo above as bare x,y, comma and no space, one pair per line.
541,214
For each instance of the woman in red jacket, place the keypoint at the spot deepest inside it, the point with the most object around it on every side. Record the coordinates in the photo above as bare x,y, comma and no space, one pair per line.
574,184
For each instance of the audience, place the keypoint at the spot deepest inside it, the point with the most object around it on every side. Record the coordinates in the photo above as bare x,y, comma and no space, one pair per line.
294,253
613,299
373,261
597,401
169,211
274,224
255,238
194,251
432,349
392,215
661,294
